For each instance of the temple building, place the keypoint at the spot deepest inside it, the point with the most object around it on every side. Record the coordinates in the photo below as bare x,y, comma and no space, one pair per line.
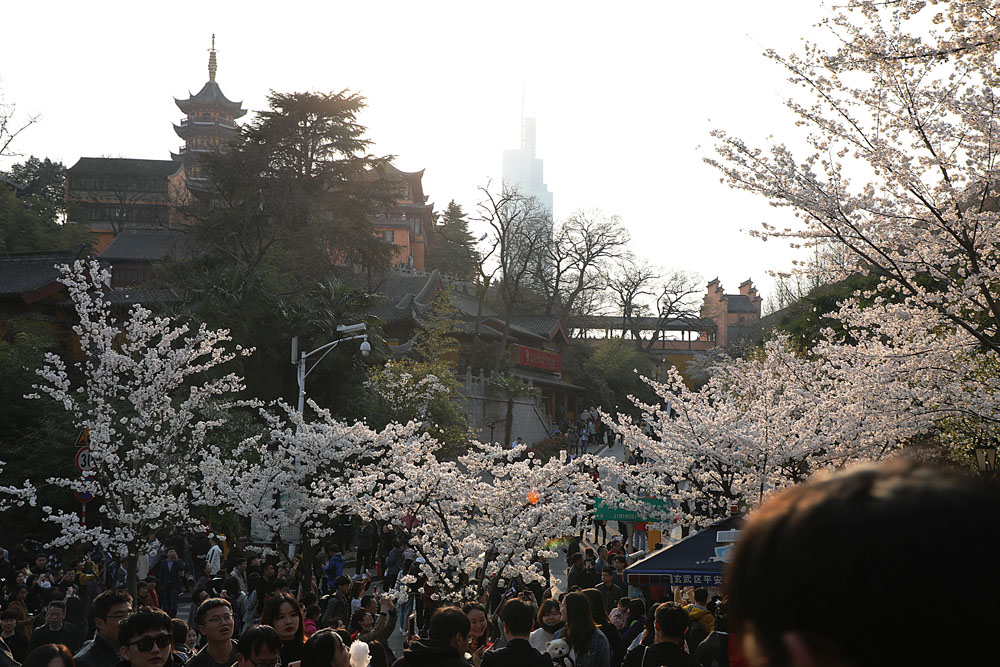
209,122
405,225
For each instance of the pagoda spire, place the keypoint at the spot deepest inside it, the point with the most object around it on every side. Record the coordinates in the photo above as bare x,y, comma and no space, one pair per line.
212,66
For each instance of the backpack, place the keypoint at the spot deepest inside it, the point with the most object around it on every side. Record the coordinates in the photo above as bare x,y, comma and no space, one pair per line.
695,634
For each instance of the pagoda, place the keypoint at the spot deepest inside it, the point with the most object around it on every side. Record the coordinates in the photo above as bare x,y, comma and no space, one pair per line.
210,121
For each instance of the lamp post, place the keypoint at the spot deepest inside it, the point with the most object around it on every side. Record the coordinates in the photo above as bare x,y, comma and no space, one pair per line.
986,456
299,360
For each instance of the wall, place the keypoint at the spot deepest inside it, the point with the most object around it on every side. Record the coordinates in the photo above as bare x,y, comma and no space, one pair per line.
484,408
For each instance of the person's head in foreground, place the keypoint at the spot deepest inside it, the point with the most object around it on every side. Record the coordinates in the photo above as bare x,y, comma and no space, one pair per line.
890,563
146,636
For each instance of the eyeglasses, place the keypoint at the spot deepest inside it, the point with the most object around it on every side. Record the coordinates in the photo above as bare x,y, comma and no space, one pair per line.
145,644
116,617
220,619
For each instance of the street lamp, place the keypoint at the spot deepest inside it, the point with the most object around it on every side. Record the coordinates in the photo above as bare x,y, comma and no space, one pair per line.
986,456
299,360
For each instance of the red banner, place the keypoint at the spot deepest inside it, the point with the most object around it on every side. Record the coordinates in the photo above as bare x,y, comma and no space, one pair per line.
548,361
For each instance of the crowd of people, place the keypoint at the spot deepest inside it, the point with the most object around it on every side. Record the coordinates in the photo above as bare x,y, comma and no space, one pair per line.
789,596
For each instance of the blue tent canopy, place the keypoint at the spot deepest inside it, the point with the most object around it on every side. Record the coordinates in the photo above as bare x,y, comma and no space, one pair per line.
697,560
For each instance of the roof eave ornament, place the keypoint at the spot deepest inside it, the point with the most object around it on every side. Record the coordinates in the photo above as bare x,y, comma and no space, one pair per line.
212,65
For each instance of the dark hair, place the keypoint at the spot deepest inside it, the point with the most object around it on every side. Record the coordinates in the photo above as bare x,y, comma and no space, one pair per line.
365,599
636,610
518,616
181,630
580,625
313,611
807,551
141,621
239,561
273,607
341,580
103,603
208,605
701,596
321,648
487,634
44,654
256,637
575,558
447,622
672,620
597,609
9,615
355,624
543,610
58,604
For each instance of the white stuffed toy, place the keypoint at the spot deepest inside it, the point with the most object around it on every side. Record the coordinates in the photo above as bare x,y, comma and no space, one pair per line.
558,650
359,654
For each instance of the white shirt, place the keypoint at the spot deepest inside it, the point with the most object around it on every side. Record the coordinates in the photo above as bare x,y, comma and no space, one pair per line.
214,558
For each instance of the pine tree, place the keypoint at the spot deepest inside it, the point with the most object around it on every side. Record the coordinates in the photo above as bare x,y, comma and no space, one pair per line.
451,246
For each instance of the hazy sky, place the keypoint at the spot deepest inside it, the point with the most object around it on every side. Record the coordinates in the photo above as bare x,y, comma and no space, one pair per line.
625,95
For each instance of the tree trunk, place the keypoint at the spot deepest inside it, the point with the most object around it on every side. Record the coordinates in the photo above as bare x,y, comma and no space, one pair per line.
132,572
306,564
508,422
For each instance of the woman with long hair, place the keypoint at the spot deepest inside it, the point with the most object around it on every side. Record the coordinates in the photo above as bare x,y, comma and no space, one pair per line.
549,621
283,613
325,649
600,615
480,634
49,655
588,647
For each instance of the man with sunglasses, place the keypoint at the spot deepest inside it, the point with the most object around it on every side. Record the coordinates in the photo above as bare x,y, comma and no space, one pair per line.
146,637
216,624
109,608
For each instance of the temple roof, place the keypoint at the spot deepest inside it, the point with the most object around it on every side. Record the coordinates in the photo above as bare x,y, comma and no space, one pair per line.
120,166
23,272
148,245
738,303
205,128
210,95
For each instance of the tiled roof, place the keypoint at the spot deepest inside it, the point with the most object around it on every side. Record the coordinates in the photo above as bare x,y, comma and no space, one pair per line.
543,325
149,245
131,295
404,294
738,303
120,166
23,272
210,94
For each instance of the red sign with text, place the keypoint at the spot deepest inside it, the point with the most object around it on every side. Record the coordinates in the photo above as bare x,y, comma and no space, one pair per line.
548,361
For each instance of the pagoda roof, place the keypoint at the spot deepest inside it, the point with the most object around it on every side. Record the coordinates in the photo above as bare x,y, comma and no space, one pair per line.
210,95
205,128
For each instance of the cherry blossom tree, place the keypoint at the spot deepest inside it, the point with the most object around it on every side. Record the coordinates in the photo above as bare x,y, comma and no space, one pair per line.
480,520
763,423
150,392
16,496
906,105
299,474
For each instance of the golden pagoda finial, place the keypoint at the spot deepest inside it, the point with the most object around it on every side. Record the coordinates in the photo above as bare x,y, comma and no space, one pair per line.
212,66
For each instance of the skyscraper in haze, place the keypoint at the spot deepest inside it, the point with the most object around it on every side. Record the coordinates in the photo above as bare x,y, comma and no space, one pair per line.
523,169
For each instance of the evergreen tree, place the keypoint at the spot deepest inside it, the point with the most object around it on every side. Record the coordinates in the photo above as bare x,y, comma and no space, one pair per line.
451,247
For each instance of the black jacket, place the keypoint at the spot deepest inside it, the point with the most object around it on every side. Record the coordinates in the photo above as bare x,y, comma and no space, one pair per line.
98,652
430,653
517,653
666,654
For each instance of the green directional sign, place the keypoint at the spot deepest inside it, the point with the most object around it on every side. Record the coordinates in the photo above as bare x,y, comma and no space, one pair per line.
653,510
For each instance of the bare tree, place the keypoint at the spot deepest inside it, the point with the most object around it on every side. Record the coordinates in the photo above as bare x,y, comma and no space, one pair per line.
577,261
10,127
518,225
644,291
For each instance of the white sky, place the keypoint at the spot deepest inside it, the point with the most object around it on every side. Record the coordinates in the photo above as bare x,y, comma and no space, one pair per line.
625,95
